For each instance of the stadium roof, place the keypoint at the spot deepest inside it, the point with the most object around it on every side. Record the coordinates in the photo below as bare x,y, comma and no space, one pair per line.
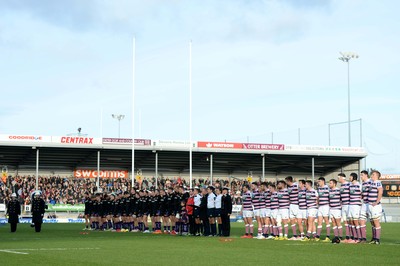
70,153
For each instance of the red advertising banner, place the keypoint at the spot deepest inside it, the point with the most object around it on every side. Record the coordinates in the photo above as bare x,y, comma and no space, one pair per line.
271,147
145,142
219,145
80,173
390,177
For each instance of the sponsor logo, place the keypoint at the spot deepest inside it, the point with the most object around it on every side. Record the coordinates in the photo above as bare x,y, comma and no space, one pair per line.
25,137
219,145
252,146
76,140
102,174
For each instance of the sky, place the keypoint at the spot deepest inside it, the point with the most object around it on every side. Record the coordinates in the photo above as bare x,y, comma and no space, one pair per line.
262,71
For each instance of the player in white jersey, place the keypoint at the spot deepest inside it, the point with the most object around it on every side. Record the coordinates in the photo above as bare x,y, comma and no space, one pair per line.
375,207
364,213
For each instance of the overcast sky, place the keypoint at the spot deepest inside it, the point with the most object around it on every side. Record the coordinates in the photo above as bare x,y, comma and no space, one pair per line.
258,67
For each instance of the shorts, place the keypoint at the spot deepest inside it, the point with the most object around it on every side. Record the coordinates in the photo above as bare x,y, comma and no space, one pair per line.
323,211
196,213
247,214
335,213
375,211
294,211
217,212
354,211
268,212
257,213
274,214
345,211
263,213
284,214
364,213
302,214
312,212
211,213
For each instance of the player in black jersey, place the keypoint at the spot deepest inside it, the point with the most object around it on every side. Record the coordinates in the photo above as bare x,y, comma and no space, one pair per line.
88,204
164,210
135,209
170,211
146,211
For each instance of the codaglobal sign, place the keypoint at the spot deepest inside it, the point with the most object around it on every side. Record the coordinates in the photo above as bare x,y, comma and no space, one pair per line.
65,208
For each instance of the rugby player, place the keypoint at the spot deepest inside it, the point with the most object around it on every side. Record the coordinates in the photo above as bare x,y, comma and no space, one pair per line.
293,190
265,214
375,207
258,203
247,212
354,208
283,213
302,214
323,209
364,214
335,208
88,204
345,198
312,209
274,206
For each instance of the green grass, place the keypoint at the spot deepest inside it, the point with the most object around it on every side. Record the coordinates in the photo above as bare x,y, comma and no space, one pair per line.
63,244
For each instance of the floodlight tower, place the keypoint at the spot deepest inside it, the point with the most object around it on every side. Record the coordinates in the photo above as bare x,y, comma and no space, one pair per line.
119,118
346,57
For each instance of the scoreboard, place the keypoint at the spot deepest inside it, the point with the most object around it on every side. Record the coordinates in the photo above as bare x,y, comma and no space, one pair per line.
391,188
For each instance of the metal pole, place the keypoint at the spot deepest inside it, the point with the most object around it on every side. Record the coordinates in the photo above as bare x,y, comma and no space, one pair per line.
272,137
156,170
133,110
211,169
119,128
37,168
312,170
263,167
361,133
348,99
299,135
98,170
190,114
329,134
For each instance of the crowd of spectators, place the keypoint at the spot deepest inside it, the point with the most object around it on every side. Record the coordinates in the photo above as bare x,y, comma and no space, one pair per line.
70,190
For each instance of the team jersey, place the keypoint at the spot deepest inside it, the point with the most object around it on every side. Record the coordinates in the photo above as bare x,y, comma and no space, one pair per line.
211,200
323,195
283,199
258,200
373,191
345,193
170,202
365,190
294,193
311,198
267,198
247,199
355,194
334,199
274,200
218,201
163,203
302,199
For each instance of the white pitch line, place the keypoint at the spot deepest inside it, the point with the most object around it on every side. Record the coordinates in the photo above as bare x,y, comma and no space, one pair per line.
14,252
52,249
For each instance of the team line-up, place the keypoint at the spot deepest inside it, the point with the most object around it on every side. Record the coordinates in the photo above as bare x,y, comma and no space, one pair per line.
299,204
274,207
